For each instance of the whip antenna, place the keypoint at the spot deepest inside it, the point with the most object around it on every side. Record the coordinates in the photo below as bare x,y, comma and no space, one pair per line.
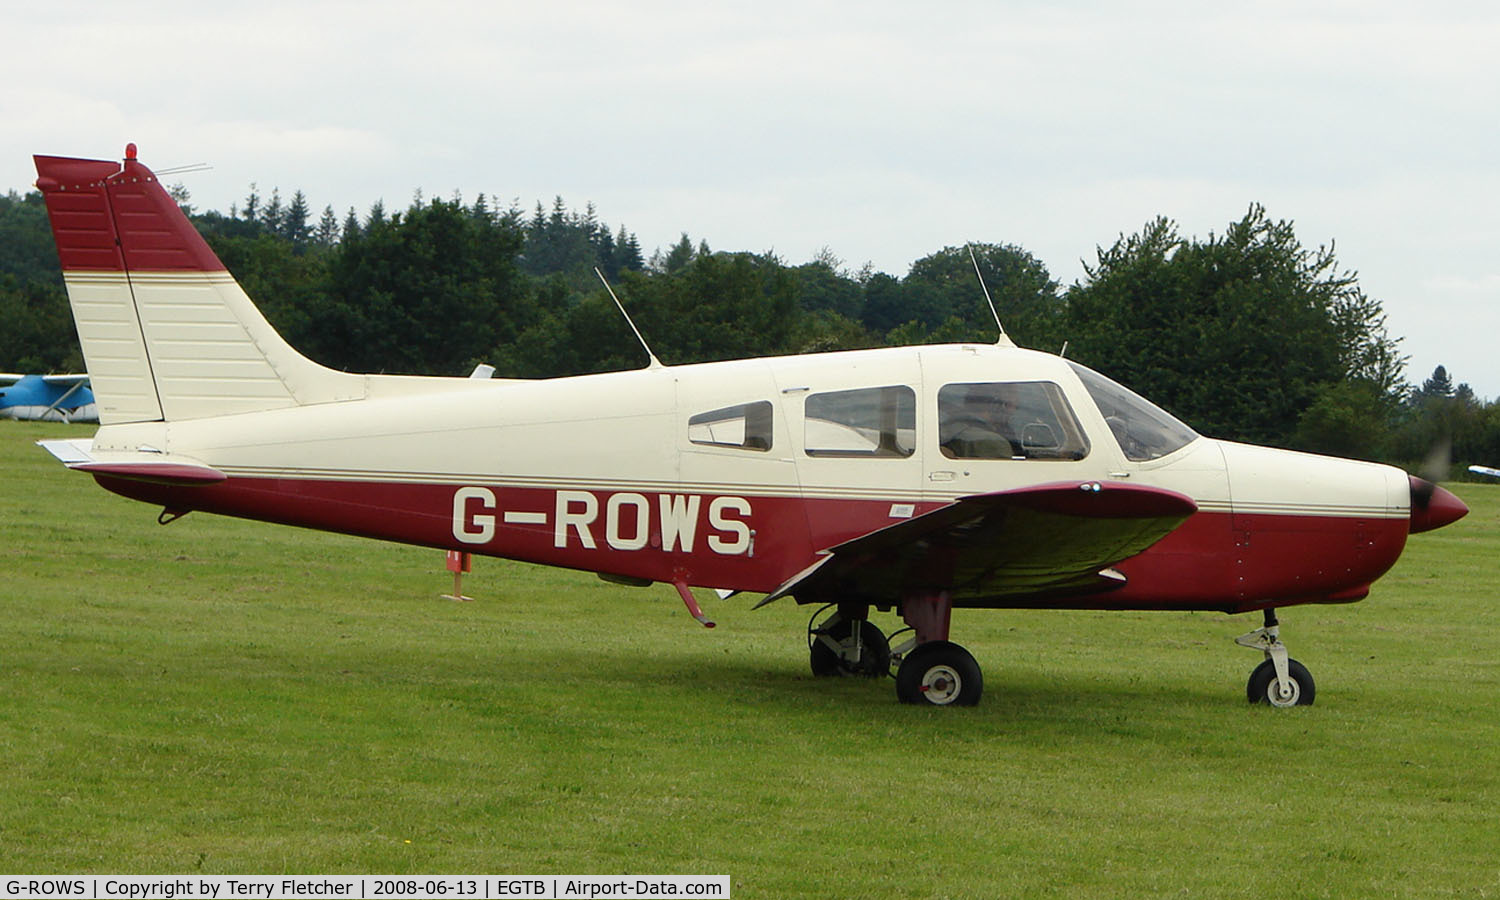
655,363
1004,338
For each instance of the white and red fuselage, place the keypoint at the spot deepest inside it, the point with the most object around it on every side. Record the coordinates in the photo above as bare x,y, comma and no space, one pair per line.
734,475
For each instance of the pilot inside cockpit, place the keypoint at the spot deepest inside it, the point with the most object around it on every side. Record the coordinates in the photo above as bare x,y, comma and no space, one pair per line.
1008,420
977,421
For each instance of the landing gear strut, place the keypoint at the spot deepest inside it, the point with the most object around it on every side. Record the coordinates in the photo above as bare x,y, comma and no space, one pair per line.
847,643
1279,680
934,669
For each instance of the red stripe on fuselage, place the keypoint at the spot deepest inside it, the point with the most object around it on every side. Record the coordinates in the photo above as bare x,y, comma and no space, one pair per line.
716,540
1213,561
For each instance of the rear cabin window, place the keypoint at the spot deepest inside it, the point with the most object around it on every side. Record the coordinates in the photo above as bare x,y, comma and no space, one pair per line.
876,422
1008,420
745,426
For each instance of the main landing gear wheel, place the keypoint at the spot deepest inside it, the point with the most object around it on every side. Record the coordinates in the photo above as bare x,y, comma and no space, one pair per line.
940,673
834,648
1263,688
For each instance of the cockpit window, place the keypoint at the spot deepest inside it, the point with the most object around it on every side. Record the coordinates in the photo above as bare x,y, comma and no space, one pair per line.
1144,430
1008,420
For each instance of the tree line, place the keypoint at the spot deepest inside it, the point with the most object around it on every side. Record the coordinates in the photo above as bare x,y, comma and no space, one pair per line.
1246,335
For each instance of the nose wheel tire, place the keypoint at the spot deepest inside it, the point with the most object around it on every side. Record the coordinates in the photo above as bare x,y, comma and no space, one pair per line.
939,673
1262,687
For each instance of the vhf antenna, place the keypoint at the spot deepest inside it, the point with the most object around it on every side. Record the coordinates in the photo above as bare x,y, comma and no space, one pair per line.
655,363
1004,338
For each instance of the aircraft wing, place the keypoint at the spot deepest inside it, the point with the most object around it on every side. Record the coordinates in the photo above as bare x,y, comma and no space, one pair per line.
144,464
81,378
1043,541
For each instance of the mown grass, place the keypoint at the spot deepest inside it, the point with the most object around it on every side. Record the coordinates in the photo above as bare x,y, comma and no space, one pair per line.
231,697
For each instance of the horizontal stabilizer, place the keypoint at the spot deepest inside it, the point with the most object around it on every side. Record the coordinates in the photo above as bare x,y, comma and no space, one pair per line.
143,465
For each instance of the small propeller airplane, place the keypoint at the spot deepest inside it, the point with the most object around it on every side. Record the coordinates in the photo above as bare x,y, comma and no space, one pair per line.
915,479
47,398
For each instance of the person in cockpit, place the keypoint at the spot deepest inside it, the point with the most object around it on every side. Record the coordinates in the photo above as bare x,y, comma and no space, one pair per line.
981,425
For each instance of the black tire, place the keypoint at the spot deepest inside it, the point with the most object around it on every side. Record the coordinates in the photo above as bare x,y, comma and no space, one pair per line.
1261,687
875,660
939,673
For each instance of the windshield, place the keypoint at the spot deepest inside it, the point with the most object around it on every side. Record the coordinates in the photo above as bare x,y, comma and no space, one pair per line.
1144,430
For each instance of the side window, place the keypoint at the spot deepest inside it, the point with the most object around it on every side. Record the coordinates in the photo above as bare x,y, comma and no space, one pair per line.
876,422
746,426
1008,420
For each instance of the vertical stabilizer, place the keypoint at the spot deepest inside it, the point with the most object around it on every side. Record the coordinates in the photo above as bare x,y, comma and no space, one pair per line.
167,333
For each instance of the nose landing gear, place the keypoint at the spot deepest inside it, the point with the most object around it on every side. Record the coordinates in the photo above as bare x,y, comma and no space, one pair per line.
1280,680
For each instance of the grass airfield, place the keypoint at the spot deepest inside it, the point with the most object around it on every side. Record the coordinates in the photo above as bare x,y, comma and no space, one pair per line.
228,697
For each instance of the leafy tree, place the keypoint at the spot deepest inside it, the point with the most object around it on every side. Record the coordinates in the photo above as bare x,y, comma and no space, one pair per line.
822,287
435,290
677,258
30,253
1439,414
884,307
943,287
1438,387
822,331
1350,418
718,306
573,244
38,336
1237,334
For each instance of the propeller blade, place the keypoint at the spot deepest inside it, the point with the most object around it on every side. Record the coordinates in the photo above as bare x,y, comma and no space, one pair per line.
1438,460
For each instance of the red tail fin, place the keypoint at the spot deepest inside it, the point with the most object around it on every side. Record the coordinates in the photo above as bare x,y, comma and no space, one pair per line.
166,332
112,217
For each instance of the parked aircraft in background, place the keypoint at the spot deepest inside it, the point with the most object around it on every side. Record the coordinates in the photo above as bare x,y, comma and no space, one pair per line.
48,398
912,480
1485,470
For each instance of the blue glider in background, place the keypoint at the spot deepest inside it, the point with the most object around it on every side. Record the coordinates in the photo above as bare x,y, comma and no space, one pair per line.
47,398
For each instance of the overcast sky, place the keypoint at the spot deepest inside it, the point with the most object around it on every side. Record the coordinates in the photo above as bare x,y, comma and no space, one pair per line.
881,130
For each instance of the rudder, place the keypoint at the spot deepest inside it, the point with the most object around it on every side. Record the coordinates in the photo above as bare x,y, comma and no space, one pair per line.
167,333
